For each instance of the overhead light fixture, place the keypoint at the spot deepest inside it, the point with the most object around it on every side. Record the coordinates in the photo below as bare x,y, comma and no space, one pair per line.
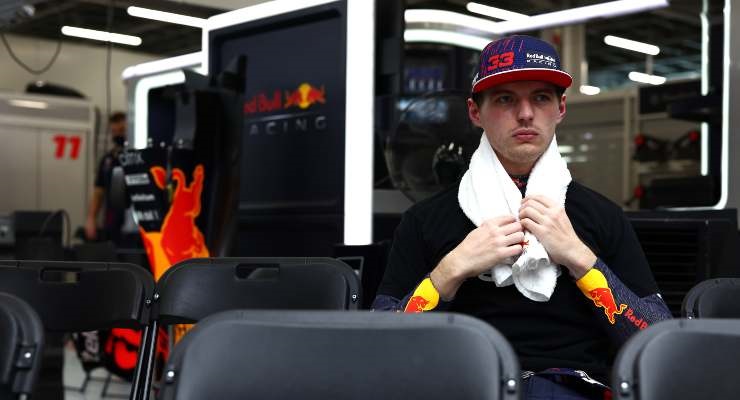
633,45
557,18
38,105
163,16
445,37
589,90
101,35
646,78
494,12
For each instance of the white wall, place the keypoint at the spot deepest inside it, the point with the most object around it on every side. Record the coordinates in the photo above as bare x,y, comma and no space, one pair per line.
79,66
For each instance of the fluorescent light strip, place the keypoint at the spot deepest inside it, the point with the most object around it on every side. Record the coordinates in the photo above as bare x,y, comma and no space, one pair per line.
494,12
38,105
646,78
191,60
358,161
557,18
726,83
141,103
704,89
426,16
100,35
579,14
633,45
251,13
166,16
445,37
589,90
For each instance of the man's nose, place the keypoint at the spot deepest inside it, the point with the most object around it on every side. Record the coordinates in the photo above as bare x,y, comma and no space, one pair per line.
525,111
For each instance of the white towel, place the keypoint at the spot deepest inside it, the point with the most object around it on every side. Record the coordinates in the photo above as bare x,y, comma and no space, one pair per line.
487,191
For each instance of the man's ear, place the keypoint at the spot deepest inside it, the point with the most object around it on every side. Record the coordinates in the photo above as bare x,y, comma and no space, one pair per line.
561,108
474,113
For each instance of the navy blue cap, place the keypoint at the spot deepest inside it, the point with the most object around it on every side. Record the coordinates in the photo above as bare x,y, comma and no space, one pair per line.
519,58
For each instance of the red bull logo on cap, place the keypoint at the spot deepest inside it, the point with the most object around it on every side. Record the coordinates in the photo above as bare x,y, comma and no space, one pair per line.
596,288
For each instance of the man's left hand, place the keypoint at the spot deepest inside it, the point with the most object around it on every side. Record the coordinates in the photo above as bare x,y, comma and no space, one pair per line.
549,223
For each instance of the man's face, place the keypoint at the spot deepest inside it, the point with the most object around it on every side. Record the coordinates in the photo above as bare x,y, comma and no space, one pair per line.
118,129
519,119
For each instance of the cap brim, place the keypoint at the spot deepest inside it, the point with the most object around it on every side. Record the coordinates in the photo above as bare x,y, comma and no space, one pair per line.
557,78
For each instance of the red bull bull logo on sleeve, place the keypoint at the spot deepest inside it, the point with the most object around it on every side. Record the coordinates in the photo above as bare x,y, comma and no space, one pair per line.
425,298
595,287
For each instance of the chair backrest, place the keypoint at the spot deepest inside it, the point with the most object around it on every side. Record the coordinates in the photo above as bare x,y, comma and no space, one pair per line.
713,298
21,342
81,296
330,355
196,288
680,359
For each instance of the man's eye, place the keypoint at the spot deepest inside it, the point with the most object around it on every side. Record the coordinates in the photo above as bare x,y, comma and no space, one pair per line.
542,98
504,99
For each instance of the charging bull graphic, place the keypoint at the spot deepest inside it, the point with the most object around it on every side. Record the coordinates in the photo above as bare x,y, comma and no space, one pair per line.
179,238
595,287
425,298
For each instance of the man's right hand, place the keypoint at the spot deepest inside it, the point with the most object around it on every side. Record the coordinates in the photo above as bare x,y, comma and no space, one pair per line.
91,230
490,244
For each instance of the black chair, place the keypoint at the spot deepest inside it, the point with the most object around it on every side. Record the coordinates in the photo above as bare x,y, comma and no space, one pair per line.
713,298
196,288
680,359
21,342
341,355
79,296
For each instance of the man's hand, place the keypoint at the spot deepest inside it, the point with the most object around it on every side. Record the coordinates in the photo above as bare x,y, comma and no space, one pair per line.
91,231
548,221
490,244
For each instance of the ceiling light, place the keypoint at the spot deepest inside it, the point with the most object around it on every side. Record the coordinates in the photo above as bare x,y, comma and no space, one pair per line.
166,16
589,90
445,37
100,35
633,45
646,78
39,105
579,14
557,18
494,12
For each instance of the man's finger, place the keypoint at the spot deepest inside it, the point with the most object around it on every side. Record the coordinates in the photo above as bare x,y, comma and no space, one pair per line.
514,238
532,203
508,229
531,213
544,200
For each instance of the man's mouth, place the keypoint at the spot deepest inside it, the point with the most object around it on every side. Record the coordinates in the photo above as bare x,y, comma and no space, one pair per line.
525,135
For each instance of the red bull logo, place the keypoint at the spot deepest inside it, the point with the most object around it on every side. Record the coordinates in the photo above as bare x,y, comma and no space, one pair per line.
603,297
594,286
305,96
425,298
416,304
180,238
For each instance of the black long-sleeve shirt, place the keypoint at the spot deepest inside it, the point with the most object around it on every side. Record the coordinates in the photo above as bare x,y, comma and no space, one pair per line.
580,327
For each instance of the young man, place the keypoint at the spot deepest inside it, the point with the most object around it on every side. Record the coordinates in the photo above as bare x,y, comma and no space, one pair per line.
569,322
113,218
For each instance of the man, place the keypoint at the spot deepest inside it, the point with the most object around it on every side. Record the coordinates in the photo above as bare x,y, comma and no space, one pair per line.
606,291
113,218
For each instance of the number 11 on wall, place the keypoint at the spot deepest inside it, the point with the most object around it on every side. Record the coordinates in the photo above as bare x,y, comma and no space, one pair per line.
61,145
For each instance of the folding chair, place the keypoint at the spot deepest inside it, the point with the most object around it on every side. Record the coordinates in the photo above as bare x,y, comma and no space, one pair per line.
680,359
341,355
21,341
196,288
79,296
713,298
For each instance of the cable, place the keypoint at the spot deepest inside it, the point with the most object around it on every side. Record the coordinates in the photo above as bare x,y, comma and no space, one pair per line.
51,216
24,65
